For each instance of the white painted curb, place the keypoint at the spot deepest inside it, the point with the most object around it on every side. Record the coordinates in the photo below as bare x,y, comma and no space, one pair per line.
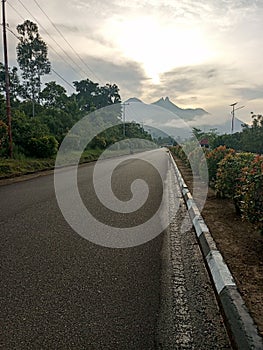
241,326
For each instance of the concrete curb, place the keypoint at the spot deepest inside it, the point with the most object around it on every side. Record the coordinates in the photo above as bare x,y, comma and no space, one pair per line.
240,324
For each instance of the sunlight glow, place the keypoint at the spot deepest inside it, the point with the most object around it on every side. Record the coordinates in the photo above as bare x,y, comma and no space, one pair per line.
159,47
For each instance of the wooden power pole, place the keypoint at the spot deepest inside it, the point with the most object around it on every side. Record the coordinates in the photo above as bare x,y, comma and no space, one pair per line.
7,84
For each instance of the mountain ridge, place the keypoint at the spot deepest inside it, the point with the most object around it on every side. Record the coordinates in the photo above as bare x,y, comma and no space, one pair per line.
173,120
185,113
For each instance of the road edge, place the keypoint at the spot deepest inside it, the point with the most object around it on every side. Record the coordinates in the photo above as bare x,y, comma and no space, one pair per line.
240,324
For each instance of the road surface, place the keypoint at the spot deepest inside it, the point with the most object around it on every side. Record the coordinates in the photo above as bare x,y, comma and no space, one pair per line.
60,291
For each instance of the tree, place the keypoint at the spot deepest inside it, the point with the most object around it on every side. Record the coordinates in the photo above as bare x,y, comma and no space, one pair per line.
32,59
91,96
252,137
53,96
26,128
107,95
15,85
86,90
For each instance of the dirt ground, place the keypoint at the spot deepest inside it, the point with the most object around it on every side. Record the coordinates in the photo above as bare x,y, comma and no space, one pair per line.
240,245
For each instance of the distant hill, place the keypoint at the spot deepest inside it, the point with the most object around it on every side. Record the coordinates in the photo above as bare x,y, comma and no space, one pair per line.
186,114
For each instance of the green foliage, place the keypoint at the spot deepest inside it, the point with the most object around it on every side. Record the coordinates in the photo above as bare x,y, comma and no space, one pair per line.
3,138
98,142
14,167
32,59
165,141
213,158
229,173
26,128
43,147
115,133
91,96
57,122
228,140
198,134
252,137
249,140
14,83
53,96
250,192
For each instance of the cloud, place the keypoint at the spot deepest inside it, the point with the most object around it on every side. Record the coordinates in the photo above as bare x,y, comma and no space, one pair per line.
129,76
195,84
249,93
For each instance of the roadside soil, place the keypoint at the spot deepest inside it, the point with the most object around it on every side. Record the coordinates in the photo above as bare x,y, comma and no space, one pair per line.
239,243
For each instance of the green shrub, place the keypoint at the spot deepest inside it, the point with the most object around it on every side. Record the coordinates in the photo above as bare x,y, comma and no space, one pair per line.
43,147
213,158
98,142
229,173
3,139
250,192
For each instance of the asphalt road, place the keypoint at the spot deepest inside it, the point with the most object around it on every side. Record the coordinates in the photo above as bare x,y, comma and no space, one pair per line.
60,291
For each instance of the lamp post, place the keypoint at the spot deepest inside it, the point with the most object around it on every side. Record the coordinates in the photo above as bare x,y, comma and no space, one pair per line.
123,117
233,114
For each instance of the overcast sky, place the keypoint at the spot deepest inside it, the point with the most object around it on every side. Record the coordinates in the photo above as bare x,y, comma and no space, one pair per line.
205,53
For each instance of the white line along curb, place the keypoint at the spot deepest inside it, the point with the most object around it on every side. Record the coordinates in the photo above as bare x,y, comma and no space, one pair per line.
241,326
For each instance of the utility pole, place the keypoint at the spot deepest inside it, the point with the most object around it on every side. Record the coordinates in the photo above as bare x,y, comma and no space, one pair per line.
233,115
123,115
7,84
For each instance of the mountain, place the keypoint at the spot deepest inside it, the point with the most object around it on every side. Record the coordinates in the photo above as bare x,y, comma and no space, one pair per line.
186,114
133,99
163,116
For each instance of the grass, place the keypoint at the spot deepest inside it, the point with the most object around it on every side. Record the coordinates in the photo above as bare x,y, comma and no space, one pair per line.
22,165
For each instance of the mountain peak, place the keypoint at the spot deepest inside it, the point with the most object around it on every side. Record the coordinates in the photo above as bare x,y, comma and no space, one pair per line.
134,99
187,114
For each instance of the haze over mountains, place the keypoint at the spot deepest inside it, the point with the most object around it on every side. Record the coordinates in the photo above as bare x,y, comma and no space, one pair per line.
173,120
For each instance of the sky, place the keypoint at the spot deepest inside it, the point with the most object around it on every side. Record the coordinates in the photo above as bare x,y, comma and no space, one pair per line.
205,53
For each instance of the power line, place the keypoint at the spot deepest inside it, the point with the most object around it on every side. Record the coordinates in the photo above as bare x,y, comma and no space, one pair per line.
15,11
65,53
63,79
72,48
53,70
7,28
50,46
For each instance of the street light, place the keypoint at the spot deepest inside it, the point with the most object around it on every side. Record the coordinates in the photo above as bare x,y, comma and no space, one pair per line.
123,116
233,114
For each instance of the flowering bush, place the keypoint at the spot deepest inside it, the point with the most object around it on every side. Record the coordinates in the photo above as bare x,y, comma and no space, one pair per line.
250,192
213,158
229,173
